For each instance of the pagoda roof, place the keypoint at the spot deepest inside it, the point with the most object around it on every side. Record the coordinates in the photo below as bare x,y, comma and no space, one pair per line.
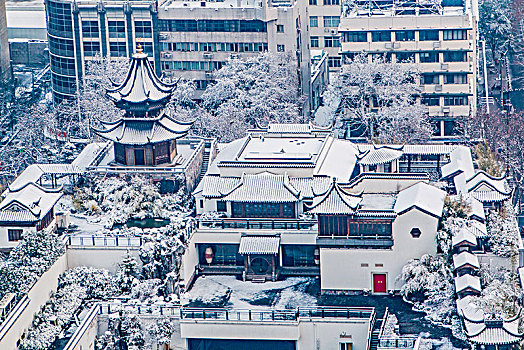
380,154
141,131
336,201
142,91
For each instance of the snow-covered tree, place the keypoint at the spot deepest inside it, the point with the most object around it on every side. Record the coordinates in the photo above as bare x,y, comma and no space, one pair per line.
162,331
495,23
503,231
128,273
501,295
379,100
486,160
251,91
428,282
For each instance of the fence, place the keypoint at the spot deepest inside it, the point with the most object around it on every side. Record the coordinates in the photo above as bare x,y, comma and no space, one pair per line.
102,241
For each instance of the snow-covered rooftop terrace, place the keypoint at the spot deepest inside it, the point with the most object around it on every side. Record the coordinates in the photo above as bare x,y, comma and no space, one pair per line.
221,291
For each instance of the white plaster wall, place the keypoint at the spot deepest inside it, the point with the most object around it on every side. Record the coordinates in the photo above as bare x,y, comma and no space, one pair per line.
4,238
38,295
239,330
345,269
328,334
189,261
107,258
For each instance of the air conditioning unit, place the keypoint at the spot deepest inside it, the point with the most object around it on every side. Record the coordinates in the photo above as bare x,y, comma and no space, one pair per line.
396,45
167,55
326,30
163,36
207,55
436,44
438,87
334,31
209,75
444,66
389,45
445,109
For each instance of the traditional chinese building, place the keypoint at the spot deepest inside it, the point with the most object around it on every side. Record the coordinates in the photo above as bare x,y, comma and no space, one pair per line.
145,135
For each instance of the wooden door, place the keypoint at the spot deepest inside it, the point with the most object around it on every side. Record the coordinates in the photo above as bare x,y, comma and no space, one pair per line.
379,283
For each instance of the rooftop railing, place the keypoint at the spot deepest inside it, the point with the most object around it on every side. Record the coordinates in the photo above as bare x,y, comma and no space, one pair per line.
261,224
402,342
276,315
102,241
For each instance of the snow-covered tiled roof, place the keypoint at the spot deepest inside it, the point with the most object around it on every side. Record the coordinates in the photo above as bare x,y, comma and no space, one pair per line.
465,259
460,162
294,128
335,201
380,155
477,209
89,154
263,187
498,335
141,91
489,196
464,237
482,181
423,197
467,281
310,187
377,201
214,186
259,245
338,159
28,203
478,229
141,131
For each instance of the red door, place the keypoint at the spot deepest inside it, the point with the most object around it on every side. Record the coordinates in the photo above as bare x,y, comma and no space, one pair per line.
379,283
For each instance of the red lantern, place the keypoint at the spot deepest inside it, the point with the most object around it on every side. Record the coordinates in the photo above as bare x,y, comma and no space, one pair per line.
316,256
208,254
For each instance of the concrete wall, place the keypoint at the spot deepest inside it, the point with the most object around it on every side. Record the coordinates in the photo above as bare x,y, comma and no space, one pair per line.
189,261
13,328
85,336
5,65
328,334
353,269
4,238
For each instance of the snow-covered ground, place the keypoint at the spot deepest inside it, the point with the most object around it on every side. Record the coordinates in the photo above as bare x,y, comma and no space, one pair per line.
232,292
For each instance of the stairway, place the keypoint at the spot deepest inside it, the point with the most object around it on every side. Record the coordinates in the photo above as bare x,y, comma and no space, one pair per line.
205,163
375,333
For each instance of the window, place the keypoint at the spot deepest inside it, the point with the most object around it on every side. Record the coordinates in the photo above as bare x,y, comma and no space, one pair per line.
90,29
405,35
431,100
381,35
455,34
212,25
59,19
331,41
219,255
62,47
355,37
281,48
429,57
449,127
334,62
143,29
221,206
331,21
455,100
415,232
428,79
280,28
313,21
298,255
405,57
262,210
459,78
428,35
381,57
454,56
117,29
312,2
91,48
14,235
147,47
346,346
331,2
117,49
314,41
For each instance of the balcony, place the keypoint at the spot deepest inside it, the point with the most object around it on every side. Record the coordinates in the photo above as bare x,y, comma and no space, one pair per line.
361,241
258,224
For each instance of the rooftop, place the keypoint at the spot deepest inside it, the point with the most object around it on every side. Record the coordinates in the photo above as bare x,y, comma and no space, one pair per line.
28,203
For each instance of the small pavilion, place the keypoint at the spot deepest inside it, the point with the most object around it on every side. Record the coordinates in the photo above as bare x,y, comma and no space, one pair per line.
145,135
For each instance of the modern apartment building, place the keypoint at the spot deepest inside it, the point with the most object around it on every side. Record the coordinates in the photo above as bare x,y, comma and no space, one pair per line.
324,19
187,39
441,37
5,64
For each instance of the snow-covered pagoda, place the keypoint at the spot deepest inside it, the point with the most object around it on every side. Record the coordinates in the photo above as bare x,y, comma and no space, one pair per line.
145,134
